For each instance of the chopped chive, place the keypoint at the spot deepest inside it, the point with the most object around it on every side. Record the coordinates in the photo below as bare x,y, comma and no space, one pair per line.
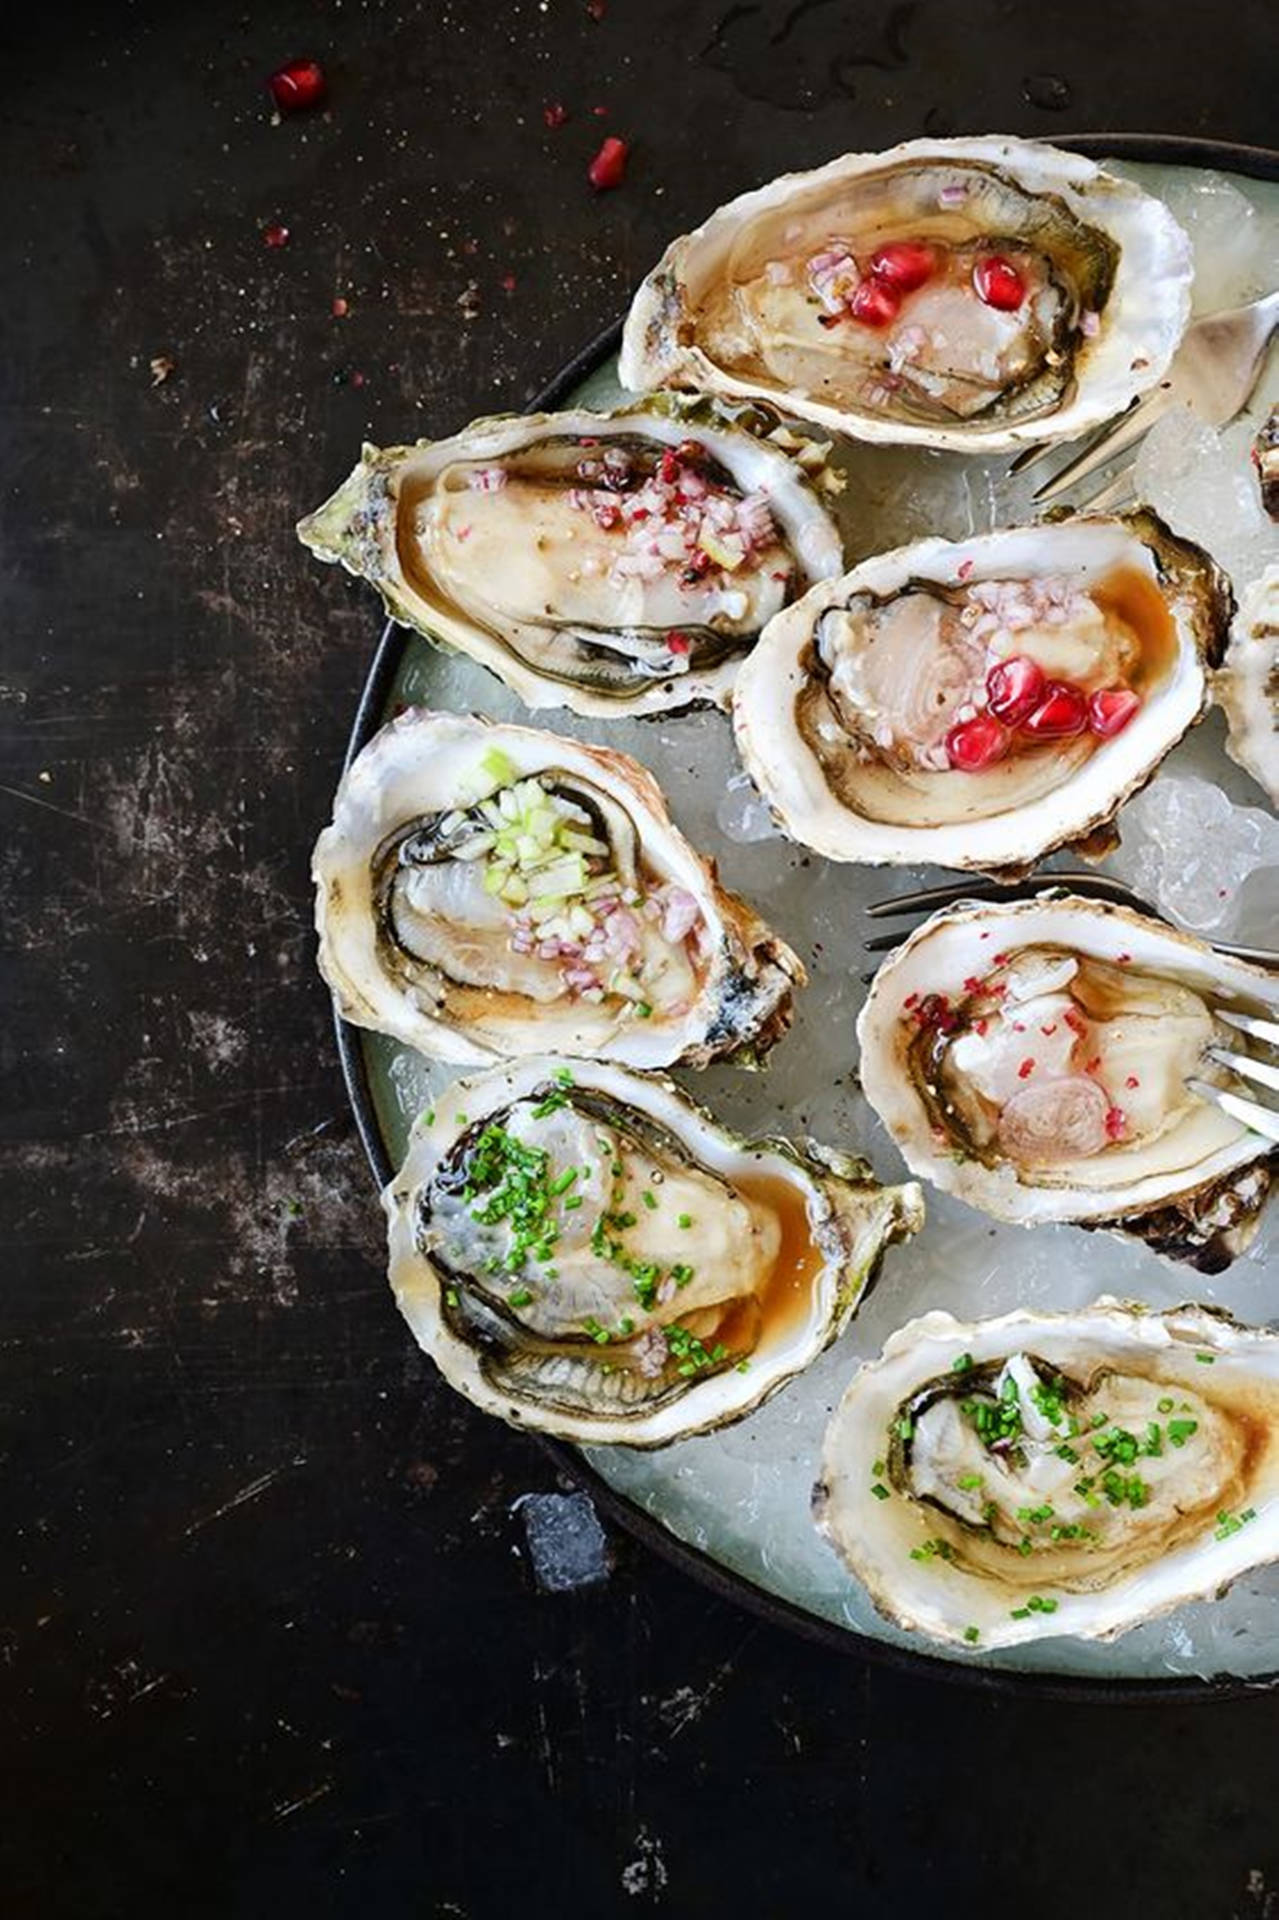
1164,1405
962,1363
650,1200
972,1635
968,1481
520,1299
1206,1359
685,1220
880,1491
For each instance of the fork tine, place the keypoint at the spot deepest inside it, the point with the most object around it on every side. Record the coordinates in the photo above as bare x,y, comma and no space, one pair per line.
1031,456
1259,1071
924,898
1250,1113
1115,493
1249,1023
1127,430
1101,886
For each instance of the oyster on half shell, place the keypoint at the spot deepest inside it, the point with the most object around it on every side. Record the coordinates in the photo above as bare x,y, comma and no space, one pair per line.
1042,1060
975,294
981,702
584,1251
1247,686
615,563
1050,1473
487,891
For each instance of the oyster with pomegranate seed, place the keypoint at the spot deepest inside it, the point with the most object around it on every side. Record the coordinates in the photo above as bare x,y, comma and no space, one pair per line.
1050,1060
617,563
1048,1473
1247,687
584,1251
486,891
977,704
976,294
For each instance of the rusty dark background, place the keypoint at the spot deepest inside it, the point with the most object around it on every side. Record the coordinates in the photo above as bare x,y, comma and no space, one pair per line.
273,1637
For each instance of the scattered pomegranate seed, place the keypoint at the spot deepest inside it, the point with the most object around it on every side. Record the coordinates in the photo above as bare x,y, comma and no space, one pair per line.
1026,1068
608,168
1049,1030
975,743
555,113
601,113
998,283
679,642
1000,960
357,379
972,984
912,999
1014,688
965,568
904,264
1110,710
1132,1081
980,1026
596,8
875,303
275,235
1074,1020
1062,711
298,85
1116,1121
508,283
340,308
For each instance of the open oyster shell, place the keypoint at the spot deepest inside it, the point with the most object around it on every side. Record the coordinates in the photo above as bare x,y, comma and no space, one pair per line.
1053,1473
1247,686
1039,1060
487,891
976,294
585,1252
616,563
853,712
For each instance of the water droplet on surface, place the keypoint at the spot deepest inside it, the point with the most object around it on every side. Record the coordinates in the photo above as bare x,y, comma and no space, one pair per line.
1047,90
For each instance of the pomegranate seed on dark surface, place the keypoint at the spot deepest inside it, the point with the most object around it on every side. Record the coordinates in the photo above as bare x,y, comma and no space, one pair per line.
998,283
298,85
875,303
275,235
1110,710
905,264
608,168
975,743
679,642
555,113
1062,711
1014,688
340,308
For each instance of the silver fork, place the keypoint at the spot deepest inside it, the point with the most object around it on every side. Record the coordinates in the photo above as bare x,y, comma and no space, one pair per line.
1253,1114
1215,370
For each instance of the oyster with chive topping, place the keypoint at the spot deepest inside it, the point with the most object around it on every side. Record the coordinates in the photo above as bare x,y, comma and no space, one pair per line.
584,1251
1000,1481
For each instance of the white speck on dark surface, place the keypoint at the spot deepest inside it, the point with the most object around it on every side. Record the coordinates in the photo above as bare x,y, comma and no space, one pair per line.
646,1873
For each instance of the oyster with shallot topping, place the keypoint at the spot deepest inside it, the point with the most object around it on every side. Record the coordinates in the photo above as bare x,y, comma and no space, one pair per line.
485,891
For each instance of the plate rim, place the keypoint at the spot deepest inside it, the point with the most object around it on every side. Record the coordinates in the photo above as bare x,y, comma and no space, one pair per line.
1252,162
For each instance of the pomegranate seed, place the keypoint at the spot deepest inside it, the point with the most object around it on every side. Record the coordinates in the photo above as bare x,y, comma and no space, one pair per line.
975,743
875,303
1026,1068
678,642
275,235
998,283
1110,710
1116,1122
340,308
508,283
1014,688
904,264
555,113
1062,711
669,468
298,85
608,168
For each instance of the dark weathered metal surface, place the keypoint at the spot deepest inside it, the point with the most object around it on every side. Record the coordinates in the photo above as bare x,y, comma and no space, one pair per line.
274,1639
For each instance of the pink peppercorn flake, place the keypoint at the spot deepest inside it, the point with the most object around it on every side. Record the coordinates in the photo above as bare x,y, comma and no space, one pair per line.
1049,1030
554,113
340,308
508,283
678,642
1093,1065
972,984
1026,1068
1123,959
275,235
596,9
1132,1081
965,568
1116,1122
911,1000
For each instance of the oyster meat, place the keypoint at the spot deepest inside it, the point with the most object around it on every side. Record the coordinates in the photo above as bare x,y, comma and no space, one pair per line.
1265,458
1051,1473
1247,687
1043,1060
976,294
585,1252
979,703
488,891
613,563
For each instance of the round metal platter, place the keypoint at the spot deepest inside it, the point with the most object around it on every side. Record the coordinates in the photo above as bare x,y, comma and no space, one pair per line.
723,1507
